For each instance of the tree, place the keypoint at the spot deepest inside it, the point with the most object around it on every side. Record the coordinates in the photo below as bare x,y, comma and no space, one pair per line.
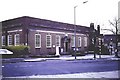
115,32
115,25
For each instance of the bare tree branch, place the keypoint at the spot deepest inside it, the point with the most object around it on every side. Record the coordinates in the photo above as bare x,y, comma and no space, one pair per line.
119,20
114,24
111,23
109,30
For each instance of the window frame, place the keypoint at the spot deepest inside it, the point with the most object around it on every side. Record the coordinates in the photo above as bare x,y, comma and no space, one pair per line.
3,40
50,41
39,41
79,41
85,41
15,42
58,41
9,39
73,41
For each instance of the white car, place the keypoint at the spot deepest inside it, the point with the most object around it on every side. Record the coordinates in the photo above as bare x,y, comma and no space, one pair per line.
5,51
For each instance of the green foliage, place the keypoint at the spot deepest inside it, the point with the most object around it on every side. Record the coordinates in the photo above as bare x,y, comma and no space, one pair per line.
18,50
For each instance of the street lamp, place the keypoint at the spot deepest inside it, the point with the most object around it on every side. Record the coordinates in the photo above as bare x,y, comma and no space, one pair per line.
75,25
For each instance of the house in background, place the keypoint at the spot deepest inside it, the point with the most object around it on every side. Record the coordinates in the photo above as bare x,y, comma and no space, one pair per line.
43,36
110,42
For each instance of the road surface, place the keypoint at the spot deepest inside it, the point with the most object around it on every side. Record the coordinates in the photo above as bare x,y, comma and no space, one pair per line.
54,67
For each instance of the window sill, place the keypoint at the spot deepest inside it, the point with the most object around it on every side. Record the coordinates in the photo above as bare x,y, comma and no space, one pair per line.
37,47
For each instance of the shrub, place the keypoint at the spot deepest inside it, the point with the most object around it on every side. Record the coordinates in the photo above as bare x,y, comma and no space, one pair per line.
18,50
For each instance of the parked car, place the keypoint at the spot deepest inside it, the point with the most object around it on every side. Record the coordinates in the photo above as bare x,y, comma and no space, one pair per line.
5,51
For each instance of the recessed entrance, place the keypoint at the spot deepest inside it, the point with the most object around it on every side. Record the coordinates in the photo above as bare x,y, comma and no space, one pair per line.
66,45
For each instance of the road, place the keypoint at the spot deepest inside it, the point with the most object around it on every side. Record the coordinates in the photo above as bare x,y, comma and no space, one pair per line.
53,67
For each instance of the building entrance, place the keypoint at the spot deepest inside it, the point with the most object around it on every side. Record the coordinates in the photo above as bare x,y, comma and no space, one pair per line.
65,45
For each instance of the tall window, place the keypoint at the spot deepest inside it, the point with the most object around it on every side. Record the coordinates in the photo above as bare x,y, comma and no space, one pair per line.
3,40
85,41
37,40
9,40
73,41
58,40
79,41
17,39
48,41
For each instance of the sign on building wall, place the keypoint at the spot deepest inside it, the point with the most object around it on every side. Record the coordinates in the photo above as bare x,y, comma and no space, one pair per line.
119,17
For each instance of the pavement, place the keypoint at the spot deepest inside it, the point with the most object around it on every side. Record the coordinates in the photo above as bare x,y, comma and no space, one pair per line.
108,74
69,57
63,57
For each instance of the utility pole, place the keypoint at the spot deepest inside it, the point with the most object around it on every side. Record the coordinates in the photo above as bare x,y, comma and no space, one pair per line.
75,26
75,29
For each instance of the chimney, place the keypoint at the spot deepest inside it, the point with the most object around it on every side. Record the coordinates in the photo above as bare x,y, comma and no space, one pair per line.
98,29
92,25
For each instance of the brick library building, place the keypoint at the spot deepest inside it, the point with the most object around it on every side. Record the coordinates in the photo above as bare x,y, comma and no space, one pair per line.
43,36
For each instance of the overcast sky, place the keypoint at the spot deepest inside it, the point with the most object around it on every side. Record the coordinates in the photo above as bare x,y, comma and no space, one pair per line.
96,11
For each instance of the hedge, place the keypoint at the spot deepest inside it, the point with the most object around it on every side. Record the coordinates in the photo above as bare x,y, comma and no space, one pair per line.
18,50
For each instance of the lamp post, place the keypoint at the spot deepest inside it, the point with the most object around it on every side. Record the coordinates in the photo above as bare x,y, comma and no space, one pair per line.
75,29
75,26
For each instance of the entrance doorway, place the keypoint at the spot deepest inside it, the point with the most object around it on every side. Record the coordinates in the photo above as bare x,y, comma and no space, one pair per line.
65,44
66,47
